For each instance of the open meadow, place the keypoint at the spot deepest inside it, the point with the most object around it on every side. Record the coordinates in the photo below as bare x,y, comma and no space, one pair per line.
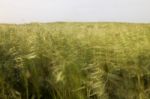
75,61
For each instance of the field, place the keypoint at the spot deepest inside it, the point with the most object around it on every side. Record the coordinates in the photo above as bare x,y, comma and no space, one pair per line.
75,61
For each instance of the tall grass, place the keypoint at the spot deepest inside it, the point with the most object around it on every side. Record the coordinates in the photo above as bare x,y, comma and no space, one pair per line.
75,61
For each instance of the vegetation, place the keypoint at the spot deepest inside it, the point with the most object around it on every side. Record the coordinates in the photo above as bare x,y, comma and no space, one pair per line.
75,61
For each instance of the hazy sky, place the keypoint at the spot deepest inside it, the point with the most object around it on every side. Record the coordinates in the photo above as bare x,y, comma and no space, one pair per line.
19,11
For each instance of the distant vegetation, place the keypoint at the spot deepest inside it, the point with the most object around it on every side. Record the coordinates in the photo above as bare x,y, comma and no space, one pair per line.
75,61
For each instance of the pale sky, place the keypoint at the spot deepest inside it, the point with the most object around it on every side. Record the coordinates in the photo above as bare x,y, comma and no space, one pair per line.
20,11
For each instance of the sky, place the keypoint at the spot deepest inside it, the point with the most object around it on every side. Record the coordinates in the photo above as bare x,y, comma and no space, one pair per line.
23,11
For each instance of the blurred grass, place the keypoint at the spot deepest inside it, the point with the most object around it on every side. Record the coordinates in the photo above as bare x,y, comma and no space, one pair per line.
75,61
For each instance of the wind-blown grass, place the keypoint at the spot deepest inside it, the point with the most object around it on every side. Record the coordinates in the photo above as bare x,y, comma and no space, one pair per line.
75,61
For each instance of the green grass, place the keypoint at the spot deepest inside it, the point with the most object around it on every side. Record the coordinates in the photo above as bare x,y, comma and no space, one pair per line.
75,61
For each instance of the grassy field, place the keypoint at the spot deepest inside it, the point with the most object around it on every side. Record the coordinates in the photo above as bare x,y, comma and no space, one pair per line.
75,61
